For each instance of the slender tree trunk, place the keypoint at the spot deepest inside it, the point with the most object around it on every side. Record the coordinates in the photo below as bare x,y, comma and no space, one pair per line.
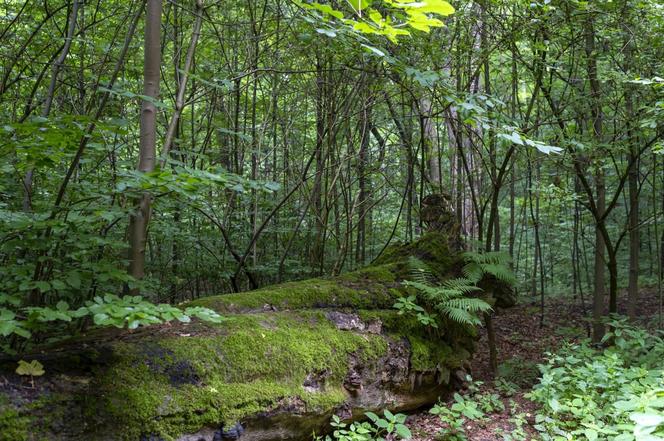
140,218
429,141
316,194
600,189
362,160
182,86
660,254
633,176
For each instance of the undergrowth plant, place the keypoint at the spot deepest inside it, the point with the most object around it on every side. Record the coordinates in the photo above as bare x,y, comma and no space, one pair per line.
109,310
388,427
472,406
615,393
452,299
518,422
489,263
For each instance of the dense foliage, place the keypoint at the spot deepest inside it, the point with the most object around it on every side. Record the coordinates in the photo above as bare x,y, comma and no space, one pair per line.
158,152
298,138
614,393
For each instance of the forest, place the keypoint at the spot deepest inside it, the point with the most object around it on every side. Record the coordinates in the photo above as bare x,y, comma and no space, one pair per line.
332,220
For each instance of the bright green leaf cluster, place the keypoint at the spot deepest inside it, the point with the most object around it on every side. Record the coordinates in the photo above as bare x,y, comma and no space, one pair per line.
109,310
391,21
389,426
34,368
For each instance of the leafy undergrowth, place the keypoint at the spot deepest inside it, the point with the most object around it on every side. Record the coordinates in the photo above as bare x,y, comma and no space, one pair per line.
583,394
614,393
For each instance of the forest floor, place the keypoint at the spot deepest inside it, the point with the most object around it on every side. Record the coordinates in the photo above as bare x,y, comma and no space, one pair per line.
523,341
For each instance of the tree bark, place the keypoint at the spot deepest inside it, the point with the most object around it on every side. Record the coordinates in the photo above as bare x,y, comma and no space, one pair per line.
140,218
182,87
600,189
632,179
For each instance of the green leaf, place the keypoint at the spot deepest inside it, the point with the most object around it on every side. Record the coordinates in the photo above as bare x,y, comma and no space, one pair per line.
62,306
554,405
647,419
328,32
43,286
403,431
326,9
372,416
22,332
373,50
591,434
358,5
74,279
381,423
34,368
439,7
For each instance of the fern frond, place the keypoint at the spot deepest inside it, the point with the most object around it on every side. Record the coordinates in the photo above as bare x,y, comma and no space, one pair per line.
462,316
433,294
422,287
420,272
473,271
465,286
495,263
501,272
470,304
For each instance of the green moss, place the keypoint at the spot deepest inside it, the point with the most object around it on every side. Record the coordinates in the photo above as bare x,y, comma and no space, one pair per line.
429,350
432,248
427,356
313,293
13,425
384,274
261,360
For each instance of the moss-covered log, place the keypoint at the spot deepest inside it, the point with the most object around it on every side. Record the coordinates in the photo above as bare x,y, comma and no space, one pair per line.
286,359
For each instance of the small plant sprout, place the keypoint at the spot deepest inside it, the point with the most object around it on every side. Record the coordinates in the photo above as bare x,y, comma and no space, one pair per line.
33,369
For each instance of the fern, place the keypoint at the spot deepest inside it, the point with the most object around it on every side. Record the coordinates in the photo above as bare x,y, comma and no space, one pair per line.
462,316
449,299
466,286
420,272
494,263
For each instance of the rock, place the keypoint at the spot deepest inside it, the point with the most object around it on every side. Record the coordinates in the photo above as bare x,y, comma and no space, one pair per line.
346,322
232,433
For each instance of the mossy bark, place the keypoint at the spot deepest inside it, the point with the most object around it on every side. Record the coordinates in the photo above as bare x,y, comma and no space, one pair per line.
286,358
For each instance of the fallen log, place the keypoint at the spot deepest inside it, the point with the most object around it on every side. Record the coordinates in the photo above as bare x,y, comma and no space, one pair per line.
286,359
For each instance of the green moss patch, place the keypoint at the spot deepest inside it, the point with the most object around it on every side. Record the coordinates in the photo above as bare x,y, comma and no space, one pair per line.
177,385
313,293
432,248
13,425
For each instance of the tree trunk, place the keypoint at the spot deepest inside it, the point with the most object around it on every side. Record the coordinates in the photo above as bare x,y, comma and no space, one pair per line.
140,218
600,189
182,86
633,179
429,142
